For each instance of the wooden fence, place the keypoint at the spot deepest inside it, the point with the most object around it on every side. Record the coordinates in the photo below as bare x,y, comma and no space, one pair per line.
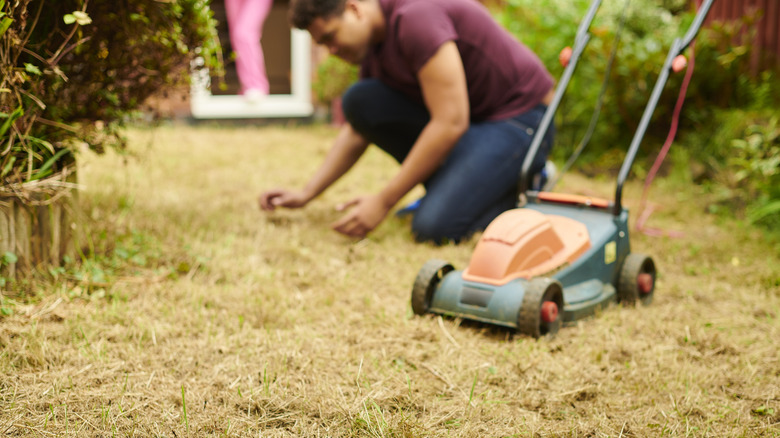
766,44
37,225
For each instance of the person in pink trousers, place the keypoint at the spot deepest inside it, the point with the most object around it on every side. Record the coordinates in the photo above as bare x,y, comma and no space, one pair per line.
245,24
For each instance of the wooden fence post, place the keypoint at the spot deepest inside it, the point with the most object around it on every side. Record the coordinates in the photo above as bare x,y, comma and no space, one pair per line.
36,224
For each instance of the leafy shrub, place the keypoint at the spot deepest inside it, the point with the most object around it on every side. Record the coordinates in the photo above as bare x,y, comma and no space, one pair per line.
747,177
549,26
74,70
721,79
333,77
724,124
741,173
757,164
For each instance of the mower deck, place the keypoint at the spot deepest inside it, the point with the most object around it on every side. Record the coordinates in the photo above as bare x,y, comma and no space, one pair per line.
587,276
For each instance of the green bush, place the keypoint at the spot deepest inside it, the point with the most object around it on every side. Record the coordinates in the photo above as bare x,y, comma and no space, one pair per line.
757,169
75,70
550,25
743,172
729,137
721,79
333,77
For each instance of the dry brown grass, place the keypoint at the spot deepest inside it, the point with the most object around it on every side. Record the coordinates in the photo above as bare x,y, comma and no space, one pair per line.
222,321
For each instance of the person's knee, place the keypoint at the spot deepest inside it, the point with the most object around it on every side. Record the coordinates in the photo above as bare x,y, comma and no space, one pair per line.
436,229
356,101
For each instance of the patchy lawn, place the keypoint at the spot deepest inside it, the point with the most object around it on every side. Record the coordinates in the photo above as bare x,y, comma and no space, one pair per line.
194,314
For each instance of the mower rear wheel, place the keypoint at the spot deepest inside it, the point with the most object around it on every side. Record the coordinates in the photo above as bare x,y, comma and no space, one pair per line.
541,311
425,284
637,280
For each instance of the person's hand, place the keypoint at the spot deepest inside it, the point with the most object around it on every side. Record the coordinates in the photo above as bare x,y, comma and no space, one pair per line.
282,198
367,212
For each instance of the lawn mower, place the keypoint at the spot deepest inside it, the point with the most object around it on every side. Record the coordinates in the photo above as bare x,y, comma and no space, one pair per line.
557,258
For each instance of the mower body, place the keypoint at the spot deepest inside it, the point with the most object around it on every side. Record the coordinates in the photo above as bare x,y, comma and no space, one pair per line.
493,288
557,258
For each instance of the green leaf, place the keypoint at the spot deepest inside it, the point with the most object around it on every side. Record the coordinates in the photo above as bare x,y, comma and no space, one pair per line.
44,170
32,69
5,23
122,253
79,17
763,211
40,142
82,18
11,118
10,258
8,167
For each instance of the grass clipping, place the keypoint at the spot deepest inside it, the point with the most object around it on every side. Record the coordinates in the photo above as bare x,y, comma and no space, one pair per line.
224,321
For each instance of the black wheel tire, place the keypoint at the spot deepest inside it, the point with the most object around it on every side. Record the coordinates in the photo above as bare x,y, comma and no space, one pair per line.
426,282
637,280
529,318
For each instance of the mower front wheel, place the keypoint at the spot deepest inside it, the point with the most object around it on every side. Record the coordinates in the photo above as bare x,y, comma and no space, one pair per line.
426,282
637,280
541,311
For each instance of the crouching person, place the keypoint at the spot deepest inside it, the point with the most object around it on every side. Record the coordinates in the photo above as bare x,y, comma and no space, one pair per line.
447,92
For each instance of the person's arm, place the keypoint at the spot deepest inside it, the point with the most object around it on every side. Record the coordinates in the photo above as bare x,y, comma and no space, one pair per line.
443,83
444,89
346,150
348,147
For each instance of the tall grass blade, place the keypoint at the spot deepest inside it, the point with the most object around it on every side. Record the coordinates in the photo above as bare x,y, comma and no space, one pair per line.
45,169
764,211
10,119
184,410
5,23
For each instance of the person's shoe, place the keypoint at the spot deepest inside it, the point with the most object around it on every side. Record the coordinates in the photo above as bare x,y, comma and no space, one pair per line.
551,173
409,208
253,95
542,179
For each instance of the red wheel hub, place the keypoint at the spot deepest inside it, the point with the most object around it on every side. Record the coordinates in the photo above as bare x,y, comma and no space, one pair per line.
645,282
549,311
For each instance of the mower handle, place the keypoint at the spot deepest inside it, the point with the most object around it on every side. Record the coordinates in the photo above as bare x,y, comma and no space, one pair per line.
678,45
580,41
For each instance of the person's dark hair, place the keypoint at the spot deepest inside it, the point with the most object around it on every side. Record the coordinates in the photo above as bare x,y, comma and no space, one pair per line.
303,12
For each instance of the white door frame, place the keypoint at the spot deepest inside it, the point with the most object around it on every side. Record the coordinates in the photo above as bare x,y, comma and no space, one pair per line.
298,103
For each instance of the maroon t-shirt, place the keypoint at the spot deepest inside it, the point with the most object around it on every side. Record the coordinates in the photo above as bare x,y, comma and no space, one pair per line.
504,77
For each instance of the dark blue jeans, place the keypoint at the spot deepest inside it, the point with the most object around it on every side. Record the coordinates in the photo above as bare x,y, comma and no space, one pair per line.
478,179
